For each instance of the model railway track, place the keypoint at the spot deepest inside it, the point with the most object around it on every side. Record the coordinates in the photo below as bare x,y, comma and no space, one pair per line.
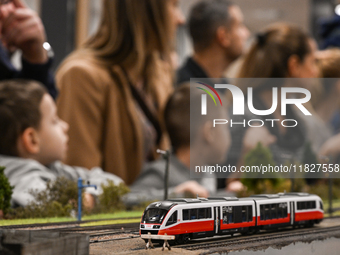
75,224
256,240
69,224
113,236
115,227
98,234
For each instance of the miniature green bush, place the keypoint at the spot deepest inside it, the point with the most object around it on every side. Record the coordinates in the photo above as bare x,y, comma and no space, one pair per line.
5,192
110,200
57,200
260,155
60,199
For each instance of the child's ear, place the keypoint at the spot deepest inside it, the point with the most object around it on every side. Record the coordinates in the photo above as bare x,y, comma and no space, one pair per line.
30,141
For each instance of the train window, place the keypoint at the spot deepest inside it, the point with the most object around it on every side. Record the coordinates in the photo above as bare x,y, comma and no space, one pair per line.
204,213
230,218
224,215
250,213
186,214
285,210
301,205
201,213
282,210
261,212
273,211
313,205
244,213
321,205
227,214
306,205
154,215
193,214
237,214
247,213
172,219
266,212
209,212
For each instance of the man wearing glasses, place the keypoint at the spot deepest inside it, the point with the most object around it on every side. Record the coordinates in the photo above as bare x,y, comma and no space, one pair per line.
22,29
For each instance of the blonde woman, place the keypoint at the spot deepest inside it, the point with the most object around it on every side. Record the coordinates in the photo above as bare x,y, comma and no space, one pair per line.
113,90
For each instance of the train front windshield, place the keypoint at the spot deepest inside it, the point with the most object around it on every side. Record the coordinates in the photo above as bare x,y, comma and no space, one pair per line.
154,215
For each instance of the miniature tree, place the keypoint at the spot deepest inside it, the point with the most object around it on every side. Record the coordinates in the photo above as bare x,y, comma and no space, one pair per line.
310,158
5,192
111,198
257,157
57,200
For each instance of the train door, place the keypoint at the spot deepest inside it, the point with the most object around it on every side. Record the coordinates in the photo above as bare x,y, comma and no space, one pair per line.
217,218
292,213
257,212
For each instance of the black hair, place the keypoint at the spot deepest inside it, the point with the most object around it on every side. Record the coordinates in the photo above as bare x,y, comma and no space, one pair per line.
205,17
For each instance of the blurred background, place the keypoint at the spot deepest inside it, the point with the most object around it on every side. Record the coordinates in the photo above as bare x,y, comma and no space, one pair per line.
75,20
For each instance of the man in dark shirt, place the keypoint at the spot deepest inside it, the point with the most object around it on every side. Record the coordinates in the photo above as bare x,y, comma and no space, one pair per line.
218,35
22,29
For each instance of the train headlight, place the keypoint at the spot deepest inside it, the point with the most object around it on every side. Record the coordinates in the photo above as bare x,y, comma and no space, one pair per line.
156,226
142,226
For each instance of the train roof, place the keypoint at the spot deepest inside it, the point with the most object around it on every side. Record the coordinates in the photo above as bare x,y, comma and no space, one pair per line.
282,195
166,205
224,198
299,194
169,203
270,196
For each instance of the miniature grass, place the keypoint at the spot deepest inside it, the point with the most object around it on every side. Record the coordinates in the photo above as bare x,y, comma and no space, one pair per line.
34,221
112,216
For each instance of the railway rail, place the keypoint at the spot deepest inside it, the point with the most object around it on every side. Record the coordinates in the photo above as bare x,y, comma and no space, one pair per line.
99,238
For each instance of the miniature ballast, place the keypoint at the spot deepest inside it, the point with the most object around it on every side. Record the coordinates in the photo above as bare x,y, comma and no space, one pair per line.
184,219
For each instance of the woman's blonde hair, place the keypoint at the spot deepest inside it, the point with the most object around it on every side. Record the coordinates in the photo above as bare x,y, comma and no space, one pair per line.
131,32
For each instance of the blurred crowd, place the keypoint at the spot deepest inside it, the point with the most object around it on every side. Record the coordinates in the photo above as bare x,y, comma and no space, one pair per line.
121,96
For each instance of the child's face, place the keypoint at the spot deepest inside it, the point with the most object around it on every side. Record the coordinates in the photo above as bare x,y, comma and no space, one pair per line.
52,133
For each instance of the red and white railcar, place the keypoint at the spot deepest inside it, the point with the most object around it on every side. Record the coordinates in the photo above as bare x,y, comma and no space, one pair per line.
195,218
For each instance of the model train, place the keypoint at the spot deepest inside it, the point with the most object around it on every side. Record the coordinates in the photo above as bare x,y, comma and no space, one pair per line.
186,219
